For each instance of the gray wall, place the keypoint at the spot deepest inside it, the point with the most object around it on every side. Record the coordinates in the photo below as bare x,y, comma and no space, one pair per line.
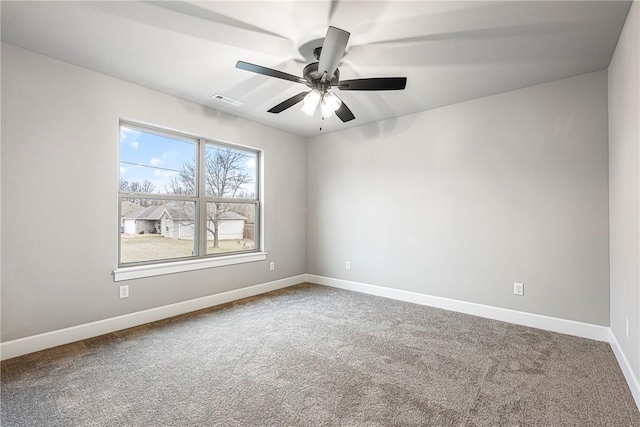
59,196
458,202
462,201
624,188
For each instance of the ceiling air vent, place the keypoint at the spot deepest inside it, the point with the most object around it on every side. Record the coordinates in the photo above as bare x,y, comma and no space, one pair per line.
227,100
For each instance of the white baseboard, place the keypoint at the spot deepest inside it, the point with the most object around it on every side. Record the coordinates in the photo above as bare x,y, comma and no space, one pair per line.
554,324
46,340
632,380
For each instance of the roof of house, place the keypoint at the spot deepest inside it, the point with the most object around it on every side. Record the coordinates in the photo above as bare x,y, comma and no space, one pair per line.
177,211
150,213
127,208
232,215
174,211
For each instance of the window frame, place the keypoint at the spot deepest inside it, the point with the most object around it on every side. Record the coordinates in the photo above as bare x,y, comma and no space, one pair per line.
200,259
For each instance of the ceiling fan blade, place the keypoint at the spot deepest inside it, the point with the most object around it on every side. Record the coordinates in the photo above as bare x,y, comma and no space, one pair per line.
377,83
333,7
344,113
288,103
269,72
332,50
209,15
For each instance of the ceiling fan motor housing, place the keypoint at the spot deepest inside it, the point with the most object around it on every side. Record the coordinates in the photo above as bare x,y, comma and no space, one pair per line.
314,77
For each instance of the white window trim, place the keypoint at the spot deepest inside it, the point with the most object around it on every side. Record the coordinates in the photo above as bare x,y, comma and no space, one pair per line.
159,269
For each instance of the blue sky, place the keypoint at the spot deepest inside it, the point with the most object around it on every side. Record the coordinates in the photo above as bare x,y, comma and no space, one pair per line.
152,157
156,158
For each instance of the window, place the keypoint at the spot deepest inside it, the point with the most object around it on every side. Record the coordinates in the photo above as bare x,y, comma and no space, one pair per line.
185,198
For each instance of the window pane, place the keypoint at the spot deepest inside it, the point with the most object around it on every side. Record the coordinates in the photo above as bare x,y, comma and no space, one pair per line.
231,227
155,163
161,173
230,172
155,229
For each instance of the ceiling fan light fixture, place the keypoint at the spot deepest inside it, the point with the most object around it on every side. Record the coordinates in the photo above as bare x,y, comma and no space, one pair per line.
324,75
310,102
330,103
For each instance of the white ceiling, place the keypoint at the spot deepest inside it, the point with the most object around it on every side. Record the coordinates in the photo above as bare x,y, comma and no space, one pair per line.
450,51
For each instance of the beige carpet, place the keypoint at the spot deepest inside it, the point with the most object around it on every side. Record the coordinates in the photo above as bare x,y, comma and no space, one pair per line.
312,356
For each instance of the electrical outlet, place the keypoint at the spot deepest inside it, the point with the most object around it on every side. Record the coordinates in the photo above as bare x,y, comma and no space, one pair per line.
518,288
627,327
272,265
124,291
347,265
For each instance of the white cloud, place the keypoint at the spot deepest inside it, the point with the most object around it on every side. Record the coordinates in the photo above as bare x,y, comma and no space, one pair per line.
156,161
128,133
135,145
170,154
251,163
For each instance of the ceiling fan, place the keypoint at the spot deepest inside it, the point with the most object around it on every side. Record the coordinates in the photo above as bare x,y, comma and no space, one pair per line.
324,75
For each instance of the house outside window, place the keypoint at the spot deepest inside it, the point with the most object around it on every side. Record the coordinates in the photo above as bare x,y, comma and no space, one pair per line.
184,197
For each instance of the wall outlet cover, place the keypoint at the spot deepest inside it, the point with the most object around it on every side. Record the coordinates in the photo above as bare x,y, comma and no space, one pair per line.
518,288
626,327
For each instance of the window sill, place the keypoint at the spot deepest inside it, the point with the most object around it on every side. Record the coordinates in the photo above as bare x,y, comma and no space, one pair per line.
140,271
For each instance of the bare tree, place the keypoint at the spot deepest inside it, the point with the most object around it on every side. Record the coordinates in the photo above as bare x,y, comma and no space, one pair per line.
135,187
145,186
225,177
184,182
